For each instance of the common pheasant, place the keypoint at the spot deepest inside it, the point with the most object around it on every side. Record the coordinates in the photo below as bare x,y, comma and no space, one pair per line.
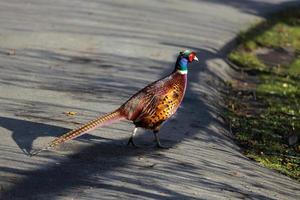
147,109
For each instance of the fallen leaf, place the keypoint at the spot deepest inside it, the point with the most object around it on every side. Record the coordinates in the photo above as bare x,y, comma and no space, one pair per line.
11,52
70,113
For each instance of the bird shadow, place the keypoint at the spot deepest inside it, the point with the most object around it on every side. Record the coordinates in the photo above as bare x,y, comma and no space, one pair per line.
25,132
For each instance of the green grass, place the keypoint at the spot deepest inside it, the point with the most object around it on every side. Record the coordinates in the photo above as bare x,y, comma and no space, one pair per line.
277,87
294,69
247,60
280,35
267,123
282,30
285,166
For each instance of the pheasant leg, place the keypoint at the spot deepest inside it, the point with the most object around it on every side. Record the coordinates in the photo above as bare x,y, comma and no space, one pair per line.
158,144
130,141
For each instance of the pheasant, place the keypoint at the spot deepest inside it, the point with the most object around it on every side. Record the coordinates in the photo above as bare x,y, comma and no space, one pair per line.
147,109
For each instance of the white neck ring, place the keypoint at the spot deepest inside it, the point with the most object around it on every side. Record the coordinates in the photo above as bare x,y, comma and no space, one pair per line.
182,71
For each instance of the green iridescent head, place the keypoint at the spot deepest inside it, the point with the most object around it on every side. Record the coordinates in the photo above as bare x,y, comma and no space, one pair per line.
185,57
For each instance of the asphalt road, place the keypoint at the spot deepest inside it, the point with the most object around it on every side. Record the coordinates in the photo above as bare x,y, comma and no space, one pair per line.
88,57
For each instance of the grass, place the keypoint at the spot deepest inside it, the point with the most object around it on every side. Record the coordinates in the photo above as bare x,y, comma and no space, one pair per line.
280,35
246,60
265,118
294,69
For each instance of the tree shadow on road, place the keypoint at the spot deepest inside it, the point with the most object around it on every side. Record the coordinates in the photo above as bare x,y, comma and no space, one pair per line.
99,165
252,7
115,169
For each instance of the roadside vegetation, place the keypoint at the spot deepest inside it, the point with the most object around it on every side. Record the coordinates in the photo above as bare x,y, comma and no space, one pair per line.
264,100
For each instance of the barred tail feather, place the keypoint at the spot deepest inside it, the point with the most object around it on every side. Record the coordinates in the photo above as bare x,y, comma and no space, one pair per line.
91,125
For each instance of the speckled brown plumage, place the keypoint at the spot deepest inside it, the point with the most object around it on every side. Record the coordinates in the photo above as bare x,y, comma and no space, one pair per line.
156,103
148,108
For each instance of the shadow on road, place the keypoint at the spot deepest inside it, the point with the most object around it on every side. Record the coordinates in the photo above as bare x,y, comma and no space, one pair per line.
90,167
109,166
25,132
258,8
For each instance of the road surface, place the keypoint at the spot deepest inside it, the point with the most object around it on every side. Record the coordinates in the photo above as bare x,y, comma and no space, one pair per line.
88,57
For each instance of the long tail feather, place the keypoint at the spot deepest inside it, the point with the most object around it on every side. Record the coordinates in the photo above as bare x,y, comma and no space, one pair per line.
91,125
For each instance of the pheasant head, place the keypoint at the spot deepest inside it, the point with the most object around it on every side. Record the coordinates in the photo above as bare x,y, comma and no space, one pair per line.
185,57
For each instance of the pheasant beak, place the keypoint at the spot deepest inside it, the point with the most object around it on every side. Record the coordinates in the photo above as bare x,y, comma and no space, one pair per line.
195,58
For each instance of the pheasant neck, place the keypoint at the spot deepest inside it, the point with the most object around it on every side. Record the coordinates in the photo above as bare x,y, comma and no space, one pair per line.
181,65
183,72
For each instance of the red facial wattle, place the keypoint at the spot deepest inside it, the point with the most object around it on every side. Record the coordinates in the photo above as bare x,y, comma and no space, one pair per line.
191,57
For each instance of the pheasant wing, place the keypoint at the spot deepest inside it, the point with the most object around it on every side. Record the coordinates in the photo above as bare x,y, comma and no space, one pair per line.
160,101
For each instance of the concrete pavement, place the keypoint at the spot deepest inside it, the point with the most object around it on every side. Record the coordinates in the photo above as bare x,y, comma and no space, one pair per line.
89,57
